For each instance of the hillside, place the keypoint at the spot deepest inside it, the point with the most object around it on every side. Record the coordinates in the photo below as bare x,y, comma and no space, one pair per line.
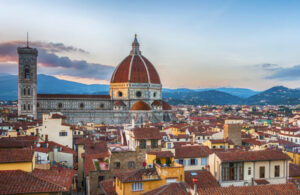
218,96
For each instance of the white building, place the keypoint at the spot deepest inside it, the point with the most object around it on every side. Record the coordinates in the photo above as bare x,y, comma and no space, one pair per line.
54,129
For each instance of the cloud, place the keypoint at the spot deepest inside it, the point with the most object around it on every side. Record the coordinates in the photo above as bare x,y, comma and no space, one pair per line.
285,74
51,63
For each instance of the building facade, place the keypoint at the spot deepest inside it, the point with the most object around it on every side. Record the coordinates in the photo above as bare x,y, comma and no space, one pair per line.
135,94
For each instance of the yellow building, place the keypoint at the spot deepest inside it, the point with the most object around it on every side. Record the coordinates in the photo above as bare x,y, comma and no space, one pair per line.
219,143
161,157
294,156
17,159
144,180
179,129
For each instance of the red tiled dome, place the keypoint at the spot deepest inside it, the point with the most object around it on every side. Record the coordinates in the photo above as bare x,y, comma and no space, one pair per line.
156,103
140,105
166,106
135,68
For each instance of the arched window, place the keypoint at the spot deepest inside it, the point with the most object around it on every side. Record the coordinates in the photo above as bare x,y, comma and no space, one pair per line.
101,105
24,91
27,73
24,106
131,164
60,105
28,91
28,106
120,94
81,105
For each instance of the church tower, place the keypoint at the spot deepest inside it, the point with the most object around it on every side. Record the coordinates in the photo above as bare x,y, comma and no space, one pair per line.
27,83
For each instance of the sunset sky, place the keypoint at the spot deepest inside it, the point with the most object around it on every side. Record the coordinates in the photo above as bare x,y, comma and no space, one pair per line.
195,44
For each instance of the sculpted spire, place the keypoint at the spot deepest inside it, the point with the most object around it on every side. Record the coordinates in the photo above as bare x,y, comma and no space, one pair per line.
135,47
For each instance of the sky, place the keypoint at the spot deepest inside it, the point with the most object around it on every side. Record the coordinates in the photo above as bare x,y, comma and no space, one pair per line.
194,44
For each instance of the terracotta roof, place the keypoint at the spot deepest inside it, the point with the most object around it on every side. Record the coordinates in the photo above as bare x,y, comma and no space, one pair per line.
57,116
190,151
108,187
294,170
46,147
218,141
140,105
156,103
135,68
261,182
162,154
261,155
17,142
70,96
96,148
169,189
136,175
21,182
89,164
283,189
62,177
208,182
146,133
16,155
166,106
119,103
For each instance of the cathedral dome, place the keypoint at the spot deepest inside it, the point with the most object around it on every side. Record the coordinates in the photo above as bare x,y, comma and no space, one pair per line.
166,106
135,68
140,105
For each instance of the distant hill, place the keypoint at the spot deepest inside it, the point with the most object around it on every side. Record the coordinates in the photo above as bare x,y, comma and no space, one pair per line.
218,96
240,92
211,97
276,95
48,84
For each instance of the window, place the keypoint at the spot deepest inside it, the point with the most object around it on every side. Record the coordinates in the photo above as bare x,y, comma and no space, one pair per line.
214,146
136,187
142,144
101,105
193,161
63,133
24,106
154,143
261,172
27,73
100,178
131,164
28,106
28,91
24,91
38,105
81,105
277,171
59,105
182,162
249,170
120,94
169,145
171,180
203,161
154,94
138,94
117,165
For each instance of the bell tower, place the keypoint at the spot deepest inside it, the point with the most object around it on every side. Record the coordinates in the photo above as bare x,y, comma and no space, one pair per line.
27,83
